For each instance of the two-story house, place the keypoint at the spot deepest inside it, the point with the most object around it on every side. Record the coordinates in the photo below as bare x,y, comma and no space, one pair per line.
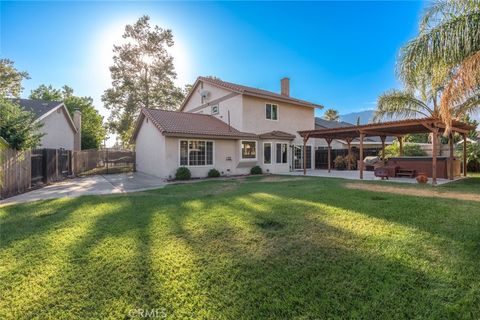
226,126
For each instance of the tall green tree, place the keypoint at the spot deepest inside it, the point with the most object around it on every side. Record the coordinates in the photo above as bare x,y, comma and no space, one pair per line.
143,76
331,115
11,79
93,130
17,126
447,49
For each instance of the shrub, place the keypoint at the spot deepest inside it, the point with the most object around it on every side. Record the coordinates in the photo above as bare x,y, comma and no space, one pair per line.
256,170
183,173
340,163
213,173
18,127
473,156
409,150
352,160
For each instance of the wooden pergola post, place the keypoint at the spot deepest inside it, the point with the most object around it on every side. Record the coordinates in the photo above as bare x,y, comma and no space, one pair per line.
450,145
434,154
464,155
362,135
305,139
383,146
329,143
349,144
400,142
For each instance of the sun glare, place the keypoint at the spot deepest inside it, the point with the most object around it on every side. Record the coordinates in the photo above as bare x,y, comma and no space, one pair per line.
112,35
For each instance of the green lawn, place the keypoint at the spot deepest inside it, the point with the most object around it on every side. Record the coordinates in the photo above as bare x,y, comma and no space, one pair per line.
276,248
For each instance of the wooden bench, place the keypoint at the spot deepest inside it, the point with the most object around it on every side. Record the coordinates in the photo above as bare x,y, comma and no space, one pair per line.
405,173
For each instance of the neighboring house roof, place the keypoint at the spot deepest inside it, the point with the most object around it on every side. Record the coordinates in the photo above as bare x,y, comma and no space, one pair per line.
328,124
249,91
184,124
38,107
276,135
42,109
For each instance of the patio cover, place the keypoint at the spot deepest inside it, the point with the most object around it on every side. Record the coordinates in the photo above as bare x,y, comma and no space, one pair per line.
392,128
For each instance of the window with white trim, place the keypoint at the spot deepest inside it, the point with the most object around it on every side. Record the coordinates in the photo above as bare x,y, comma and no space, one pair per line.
282,150
196,153
267,153
271,111
249,149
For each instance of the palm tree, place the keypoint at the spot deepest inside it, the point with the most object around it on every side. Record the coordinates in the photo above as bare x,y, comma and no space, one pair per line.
331,115
446,53
404,104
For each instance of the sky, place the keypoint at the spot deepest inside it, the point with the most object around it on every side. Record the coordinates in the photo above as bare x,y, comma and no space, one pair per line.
338,54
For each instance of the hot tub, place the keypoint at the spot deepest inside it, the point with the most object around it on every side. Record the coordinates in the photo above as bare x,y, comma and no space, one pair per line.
424,164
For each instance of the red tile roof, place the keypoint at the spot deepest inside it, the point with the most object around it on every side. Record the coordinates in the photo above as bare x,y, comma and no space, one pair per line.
277,135
174,123
250,91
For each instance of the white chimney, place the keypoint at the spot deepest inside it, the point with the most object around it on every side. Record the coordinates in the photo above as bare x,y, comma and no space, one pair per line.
285,87
77,121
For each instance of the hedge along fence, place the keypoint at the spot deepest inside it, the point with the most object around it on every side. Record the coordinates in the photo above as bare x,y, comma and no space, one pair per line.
15,173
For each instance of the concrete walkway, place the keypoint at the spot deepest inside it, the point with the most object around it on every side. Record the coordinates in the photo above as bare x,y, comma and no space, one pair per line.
91,185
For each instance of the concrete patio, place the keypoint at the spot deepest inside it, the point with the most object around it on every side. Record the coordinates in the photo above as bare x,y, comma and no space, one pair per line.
355,175
91,185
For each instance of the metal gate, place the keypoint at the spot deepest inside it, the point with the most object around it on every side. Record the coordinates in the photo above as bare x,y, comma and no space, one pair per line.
50,165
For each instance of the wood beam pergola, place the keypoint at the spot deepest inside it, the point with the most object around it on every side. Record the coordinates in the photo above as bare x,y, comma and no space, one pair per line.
450,145
383,138
400,142
305,139
464,154
362,136
329,143
349,144
393,128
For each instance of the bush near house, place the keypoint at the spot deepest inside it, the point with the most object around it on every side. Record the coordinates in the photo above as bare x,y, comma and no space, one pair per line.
256,170
183,173
340,163
213,173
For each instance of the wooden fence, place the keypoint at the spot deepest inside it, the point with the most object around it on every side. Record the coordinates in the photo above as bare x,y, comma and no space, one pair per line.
15,172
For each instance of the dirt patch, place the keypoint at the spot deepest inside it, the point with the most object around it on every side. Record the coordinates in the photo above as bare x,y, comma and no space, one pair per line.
280,179
413,192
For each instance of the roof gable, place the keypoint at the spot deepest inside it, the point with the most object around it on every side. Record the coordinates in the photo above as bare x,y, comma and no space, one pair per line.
250,91
37,107
42,109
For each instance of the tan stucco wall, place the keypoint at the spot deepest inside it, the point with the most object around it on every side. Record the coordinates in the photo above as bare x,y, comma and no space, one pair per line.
196,100
150,150
291,118
274,167
232,104
222,149
58,132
